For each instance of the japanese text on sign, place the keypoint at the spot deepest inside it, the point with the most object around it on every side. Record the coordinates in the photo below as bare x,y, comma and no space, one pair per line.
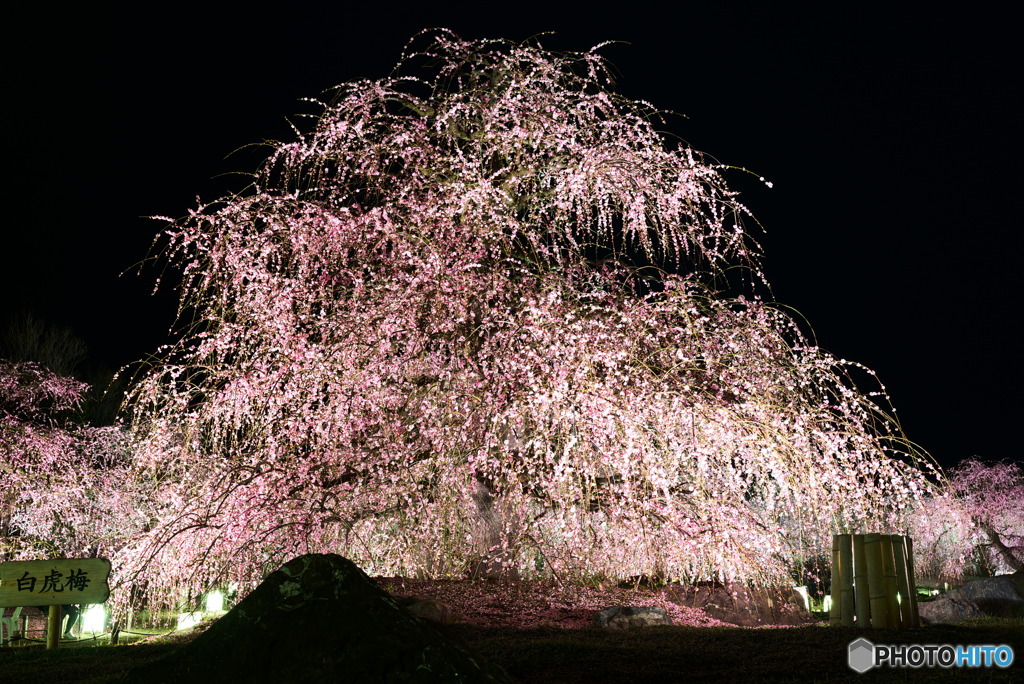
55,581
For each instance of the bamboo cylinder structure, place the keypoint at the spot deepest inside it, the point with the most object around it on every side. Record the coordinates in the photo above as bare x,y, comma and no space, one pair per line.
834,613
846,603
899,554
892,588
860,579
908,547
876,581
873,581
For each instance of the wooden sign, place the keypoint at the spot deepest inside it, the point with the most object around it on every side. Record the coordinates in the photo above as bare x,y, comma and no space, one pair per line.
54,582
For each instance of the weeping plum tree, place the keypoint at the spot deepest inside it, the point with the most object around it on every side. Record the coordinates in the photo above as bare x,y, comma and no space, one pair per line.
33,440
64,487
992,494
468,322
976,526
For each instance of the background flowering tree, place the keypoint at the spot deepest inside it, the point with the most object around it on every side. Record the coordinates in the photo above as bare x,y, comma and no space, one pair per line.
63,486
976,527
993,496
469,323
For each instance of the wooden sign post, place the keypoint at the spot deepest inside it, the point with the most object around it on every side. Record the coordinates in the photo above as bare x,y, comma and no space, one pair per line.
54,583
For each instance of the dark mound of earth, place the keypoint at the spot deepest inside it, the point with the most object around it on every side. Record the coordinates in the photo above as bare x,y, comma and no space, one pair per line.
319,618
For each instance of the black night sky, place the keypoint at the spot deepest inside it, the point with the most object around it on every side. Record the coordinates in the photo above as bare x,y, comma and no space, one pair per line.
892,140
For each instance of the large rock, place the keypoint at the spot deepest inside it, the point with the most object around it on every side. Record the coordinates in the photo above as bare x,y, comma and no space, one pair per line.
628,617
738,604
320,619
946,609
996,596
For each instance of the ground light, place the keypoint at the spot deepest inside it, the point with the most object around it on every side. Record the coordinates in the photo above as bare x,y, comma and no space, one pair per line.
215,601
805,596
94,618
188,620
213,605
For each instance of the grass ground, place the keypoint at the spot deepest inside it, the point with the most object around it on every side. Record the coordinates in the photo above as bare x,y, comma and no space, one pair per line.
545,655
556,646
670,654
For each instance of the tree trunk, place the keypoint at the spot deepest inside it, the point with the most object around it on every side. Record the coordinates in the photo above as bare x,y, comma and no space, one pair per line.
1005,551
494,559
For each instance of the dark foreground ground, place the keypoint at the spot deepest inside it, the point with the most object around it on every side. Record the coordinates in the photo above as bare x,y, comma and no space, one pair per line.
545,655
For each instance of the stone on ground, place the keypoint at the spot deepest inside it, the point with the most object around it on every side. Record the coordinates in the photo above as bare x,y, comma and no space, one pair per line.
319,618
628,617
994,596
428,609
946,609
